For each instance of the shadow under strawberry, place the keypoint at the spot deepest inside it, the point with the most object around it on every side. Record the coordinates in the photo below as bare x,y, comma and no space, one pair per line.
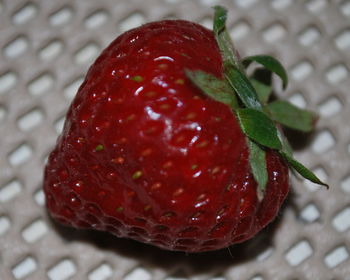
194,263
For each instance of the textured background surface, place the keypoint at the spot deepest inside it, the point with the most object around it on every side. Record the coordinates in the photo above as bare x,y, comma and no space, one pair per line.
45,50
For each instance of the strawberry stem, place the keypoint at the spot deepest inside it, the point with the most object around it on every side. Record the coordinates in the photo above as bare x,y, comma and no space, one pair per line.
259,127
257,122
229,53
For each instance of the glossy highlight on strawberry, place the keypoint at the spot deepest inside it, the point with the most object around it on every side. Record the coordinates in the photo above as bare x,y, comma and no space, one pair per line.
144,154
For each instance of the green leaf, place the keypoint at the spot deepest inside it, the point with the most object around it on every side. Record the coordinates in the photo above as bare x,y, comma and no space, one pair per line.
269,63
257,160
244,89
302,170
263,91
215,88
228,51
292,116
259,128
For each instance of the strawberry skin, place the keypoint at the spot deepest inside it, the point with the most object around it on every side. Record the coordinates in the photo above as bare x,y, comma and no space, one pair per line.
145,155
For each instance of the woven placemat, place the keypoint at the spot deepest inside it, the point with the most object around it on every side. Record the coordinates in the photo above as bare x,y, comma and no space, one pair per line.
45,50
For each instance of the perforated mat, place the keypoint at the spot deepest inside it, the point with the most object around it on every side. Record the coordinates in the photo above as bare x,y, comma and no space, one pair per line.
45,50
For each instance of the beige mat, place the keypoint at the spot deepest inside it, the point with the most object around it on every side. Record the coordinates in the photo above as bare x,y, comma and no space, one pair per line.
45,49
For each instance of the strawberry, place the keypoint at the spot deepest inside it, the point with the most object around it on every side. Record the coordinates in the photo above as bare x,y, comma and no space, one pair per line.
169,143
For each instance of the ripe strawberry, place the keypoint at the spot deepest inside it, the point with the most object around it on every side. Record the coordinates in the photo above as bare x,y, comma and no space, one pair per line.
145,154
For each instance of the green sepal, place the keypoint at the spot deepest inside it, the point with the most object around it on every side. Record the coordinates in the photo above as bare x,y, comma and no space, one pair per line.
291,116
286,147
214,87
263,91
302,170
257,161
220,17
269,63
259,127
242,86
228,52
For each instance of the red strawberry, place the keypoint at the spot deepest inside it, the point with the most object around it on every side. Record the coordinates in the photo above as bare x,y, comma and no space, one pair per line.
146,155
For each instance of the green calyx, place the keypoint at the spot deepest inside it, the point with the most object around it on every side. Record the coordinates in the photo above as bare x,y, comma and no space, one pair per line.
248,98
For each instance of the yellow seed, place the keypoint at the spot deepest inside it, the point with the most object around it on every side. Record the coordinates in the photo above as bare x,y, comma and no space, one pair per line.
202,144
180,138
164,106
168,164
163,66
150,94
137,174
130,193
81,140
137,78
156,186
191,116
241,202
99,147
120,209
168,214
196,215
180,81
119,160
151,130
201,197
147,207
146,152
215,170
130,117
122,140
222,211
119,101
178,192
95,167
